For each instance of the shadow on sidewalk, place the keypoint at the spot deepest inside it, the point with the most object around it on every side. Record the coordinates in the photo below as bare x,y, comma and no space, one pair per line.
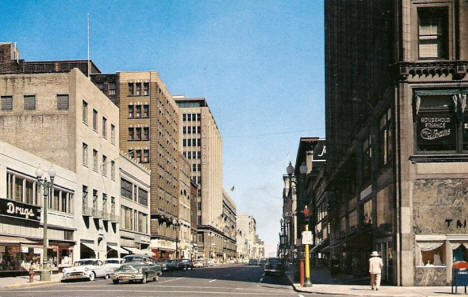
321,275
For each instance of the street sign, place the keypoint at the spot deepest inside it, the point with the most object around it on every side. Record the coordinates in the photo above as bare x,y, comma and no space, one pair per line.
306,237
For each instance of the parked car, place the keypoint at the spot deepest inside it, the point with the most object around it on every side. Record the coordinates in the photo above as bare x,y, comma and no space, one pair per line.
273,265
85,269
253,262
173,264
137,268
112,264
163,263
262,262
198,263
185,264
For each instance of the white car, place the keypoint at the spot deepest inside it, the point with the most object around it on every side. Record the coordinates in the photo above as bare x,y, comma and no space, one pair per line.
112,264
85,269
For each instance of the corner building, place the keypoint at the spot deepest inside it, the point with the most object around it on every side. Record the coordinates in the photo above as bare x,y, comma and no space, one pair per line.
397,136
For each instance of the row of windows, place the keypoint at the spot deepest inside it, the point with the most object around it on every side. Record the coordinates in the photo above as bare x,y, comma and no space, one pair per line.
133,192
134,89
191,129
191,117
134,133
26,190
137,155
104,163
29,102
131,219
138,111
191,142
95,122
191,155
196,167
95,202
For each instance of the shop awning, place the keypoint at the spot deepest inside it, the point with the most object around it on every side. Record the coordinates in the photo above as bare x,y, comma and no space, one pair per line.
115,248
88,245
135,251
16,240
123,251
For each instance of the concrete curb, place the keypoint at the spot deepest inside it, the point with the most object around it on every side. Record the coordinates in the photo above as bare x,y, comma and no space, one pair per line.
299,289
33,284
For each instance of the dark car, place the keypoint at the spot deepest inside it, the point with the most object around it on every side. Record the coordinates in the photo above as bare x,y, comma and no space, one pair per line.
173,264
273,265
185,264
137,268
253,262
163,263
262,262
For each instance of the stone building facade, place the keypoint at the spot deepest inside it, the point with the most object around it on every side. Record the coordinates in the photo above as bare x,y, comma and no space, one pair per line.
396,128
185,237
65,119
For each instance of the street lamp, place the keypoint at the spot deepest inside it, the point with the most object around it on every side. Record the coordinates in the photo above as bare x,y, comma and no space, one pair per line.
177,229
48,186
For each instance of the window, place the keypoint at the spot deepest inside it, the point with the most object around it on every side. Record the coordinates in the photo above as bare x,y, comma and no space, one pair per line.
112,170
194,167
95,115
184,142
433,32
131,90
199,205
130,111
104,127
138,111
142,196
436,122
198,141
199,167
184,117
138,155
62,102
146,111
29,102
85,112
366,160
198,117
85,154
95,160
145,156
131,153
131,133
198,129
146,133
19,187
125,188
95,199
146,89
138,133
189,117
138,89
84,197
432,254
104,202
7,102
385,134
104,165
112,134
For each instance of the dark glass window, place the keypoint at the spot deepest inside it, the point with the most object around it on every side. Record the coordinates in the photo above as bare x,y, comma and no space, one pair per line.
433,32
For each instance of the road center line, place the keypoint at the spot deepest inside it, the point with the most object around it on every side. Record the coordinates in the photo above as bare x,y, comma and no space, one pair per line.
213,280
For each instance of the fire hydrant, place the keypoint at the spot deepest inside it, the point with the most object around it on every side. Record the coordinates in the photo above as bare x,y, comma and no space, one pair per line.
31,275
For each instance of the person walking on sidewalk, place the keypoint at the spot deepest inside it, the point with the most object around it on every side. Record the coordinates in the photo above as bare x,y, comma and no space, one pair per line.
375,270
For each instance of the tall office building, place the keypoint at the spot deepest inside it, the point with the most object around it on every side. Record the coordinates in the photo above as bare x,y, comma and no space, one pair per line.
202,146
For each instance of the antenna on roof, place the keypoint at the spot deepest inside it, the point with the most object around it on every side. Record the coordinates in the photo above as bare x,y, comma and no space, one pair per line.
89,64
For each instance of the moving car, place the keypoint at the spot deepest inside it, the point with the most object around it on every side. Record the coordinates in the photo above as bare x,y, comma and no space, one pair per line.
262,262
273,265
163,263
85,269
253,262
111,264
173,264
137,268
185,264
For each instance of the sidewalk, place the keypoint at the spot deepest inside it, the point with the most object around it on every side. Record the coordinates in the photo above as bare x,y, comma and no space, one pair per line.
23,281
322,283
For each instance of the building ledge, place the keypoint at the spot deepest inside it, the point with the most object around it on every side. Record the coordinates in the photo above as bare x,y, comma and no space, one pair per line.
438,158
457,69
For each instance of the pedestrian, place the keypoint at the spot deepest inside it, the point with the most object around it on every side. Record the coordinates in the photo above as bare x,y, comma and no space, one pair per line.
375,270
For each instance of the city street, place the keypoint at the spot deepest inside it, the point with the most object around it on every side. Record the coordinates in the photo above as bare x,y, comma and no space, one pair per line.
223,280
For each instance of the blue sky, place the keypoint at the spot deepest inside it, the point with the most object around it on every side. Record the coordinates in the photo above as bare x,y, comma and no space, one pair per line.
260,65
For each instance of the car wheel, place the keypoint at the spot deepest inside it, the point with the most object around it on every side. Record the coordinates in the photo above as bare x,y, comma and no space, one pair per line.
115,281
92,276
144,279
107,276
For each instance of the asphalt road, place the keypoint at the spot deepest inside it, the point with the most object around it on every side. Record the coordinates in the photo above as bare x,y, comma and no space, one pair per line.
222,280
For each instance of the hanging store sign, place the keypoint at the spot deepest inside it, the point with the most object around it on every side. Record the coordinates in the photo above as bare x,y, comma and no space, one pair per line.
434,128
19,210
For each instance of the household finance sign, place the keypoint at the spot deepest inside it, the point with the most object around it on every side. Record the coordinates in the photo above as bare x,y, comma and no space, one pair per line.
436,129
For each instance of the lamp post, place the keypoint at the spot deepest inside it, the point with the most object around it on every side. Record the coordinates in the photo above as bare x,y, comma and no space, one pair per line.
177,228
47,185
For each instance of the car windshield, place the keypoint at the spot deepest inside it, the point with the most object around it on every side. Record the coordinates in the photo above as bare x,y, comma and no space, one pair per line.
84,262
133,259
112,262
274,261
125,267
